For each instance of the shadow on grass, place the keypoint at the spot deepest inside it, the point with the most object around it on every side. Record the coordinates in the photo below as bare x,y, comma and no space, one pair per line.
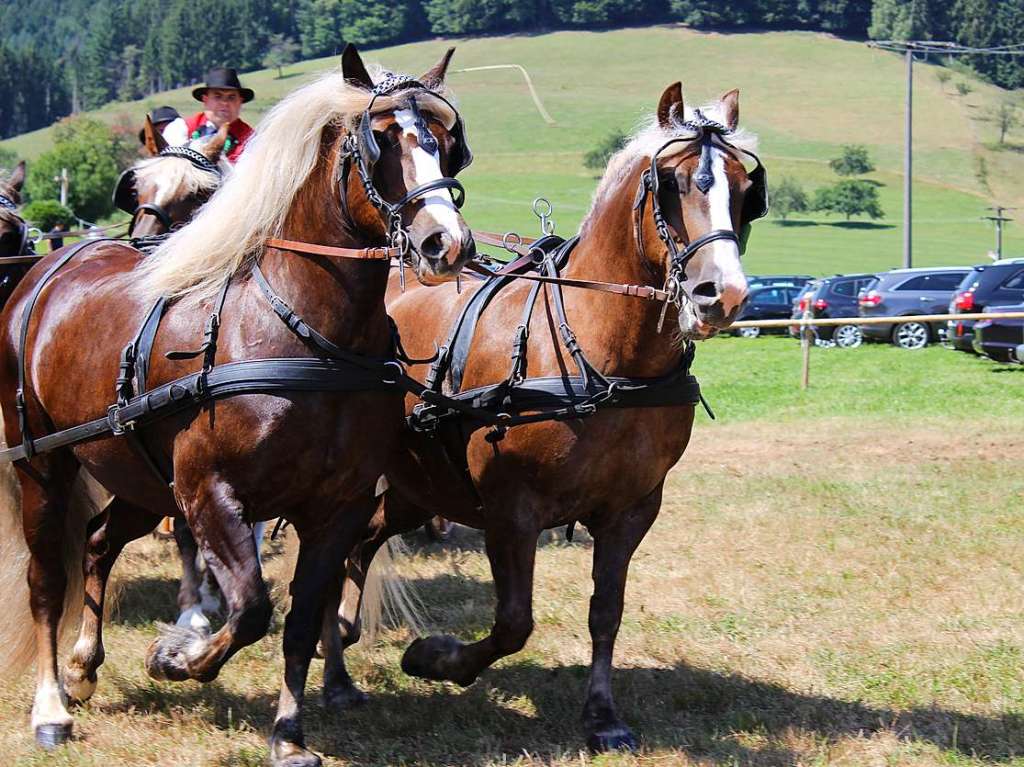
865,225
700,712
468,539
790,223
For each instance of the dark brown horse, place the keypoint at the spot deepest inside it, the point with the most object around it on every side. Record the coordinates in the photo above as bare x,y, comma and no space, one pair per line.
323,170
14,233
606,471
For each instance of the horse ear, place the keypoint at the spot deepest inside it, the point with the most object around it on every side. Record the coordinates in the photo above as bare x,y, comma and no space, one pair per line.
154,139
17,179
433,78
353,69
213,148
671,101
731,108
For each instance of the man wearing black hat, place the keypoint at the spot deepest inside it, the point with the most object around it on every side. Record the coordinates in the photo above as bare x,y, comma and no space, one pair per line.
222,97
162,117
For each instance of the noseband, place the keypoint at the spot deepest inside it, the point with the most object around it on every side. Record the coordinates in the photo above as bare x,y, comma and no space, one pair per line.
705,131
361,151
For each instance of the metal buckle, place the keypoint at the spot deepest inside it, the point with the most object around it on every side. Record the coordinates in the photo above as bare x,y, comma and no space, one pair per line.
114,419
397,366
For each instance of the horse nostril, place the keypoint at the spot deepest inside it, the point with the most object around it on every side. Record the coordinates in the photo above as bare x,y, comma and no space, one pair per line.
706,289
436,244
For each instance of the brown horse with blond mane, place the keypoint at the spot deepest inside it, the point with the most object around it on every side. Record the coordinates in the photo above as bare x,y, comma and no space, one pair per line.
285,264
669,209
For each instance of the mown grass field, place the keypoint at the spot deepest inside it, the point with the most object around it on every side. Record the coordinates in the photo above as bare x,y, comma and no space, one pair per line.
834,580
805,94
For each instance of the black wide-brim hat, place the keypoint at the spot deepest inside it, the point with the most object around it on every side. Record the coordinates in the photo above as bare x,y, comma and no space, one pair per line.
158,116
223,77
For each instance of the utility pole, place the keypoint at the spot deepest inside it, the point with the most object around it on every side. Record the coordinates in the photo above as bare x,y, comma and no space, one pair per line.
908,139
922,48
999,220
62,179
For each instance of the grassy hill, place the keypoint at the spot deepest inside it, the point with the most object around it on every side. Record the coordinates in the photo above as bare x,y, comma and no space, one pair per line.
805,94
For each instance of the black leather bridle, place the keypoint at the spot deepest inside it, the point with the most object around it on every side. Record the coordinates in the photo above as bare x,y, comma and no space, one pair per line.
126,195
755,203
25,245
361,151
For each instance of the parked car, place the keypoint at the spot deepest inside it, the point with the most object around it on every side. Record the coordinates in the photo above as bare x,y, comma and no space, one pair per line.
999,283
835,297
904,293
759,281
773,302
800,303
999,339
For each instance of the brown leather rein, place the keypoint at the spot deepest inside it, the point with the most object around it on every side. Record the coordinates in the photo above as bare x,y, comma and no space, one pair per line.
521,247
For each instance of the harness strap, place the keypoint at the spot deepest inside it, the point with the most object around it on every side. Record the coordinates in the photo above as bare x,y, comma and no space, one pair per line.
379,253
154,210
26,315
622,289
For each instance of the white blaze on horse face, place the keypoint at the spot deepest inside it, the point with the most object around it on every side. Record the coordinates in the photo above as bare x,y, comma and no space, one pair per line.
427,167
726,272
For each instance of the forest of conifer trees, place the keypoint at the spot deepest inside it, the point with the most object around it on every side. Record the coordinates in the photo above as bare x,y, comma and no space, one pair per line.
62,56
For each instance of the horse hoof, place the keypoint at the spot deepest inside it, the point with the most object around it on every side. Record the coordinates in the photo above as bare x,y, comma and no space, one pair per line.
285,754
168,656
344,697
436,658
78,687
53,735
615,739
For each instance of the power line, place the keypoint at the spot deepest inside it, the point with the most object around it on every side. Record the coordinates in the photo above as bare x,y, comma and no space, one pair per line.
922,48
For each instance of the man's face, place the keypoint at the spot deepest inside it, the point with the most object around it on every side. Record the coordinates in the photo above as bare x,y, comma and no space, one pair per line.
222,105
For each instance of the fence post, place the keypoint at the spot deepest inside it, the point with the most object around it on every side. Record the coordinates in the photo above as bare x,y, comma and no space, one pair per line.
805,342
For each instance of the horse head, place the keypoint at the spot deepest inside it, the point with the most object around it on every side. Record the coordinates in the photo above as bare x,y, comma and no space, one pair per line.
13,231
401,157
163,192
702,202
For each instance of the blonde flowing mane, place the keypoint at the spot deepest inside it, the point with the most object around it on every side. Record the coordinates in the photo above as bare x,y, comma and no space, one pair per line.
252,204
650,137
176,178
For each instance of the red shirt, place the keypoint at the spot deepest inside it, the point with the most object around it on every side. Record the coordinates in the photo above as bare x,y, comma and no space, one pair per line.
238,134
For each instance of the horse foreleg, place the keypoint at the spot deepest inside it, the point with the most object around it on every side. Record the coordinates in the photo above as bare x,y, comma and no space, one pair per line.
108,534
192,602
615,540
45,506
226,543
318,571
511,548
342,623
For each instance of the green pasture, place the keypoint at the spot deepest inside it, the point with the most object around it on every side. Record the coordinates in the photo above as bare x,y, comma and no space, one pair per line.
804,94
833,581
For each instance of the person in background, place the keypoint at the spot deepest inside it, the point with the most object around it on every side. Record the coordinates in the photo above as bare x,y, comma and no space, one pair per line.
162,118
222,96
56,236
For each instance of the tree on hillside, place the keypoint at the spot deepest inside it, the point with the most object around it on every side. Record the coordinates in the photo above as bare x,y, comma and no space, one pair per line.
853,161
851,197
788,197
8,160
283,50
597,158
90,151
1005,117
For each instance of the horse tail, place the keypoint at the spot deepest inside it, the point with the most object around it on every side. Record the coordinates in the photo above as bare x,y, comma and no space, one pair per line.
388,598
17,628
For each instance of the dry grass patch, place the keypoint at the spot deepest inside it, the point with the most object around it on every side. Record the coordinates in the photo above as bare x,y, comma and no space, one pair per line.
820,593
